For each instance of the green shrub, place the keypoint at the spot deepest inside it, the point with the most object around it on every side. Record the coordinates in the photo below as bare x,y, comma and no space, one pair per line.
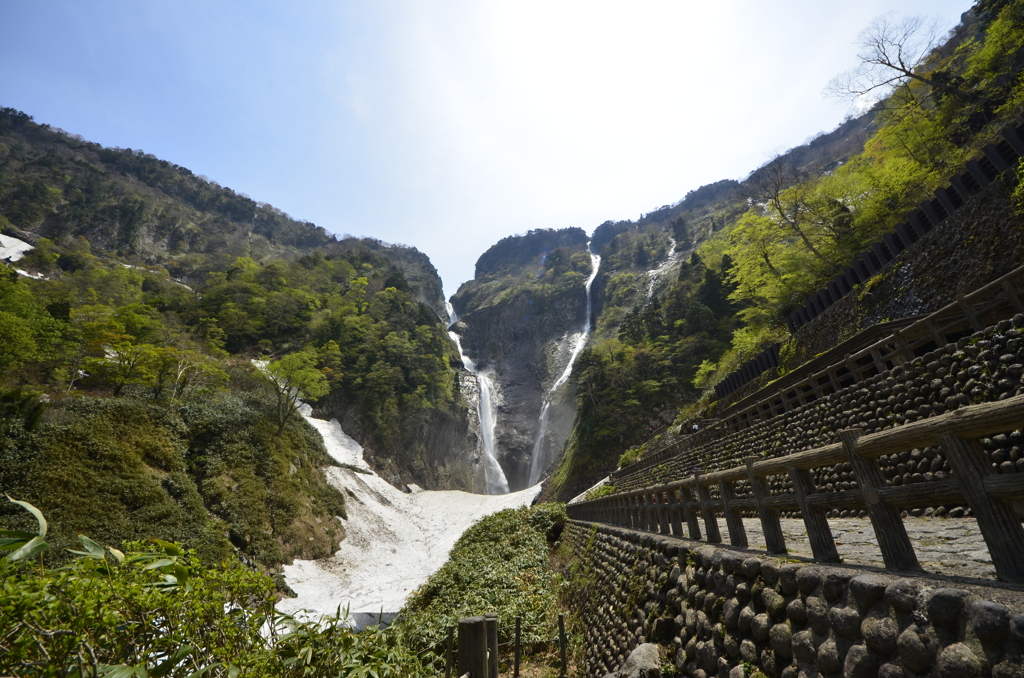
125,469
156,611
631,455
600,491
499,565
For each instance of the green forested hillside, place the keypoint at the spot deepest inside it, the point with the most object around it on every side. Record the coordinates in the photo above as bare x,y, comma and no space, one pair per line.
131,331
783,232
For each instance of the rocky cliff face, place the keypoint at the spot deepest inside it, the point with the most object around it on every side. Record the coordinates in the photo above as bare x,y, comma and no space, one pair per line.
518,317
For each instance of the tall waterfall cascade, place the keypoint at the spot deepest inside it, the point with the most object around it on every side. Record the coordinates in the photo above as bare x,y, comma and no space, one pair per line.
539,458
657,273
494,476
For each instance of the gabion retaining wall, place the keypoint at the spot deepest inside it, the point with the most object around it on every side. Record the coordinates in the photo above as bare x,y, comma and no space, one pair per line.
984,367
725,612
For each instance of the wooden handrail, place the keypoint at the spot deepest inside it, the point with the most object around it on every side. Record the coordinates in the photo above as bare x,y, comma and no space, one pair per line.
890,349
665,507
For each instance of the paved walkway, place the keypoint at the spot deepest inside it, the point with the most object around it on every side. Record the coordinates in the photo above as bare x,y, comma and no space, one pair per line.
947,546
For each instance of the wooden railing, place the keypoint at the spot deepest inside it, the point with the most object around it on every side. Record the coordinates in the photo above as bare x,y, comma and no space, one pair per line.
665,508
969,313
995,160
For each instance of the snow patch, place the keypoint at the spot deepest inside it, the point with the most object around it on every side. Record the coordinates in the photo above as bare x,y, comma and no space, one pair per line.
12,249
393,540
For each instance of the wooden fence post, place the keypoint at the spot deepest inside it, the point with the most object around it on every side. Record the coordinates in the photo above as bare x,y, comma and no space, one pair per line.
733,517
692,523
515,666
774,540
673,510
448,656
897,551
663,508
819,533
651,524
491,621
473,647
710,521
997,520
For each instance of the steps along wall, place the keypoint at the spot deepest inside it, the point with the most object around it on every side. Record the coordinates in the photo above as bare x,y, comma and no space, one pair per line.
985,367
725,612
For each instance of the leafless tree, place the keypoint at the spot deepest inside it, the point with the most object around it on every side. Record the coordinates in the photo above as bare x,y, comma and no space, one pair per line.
893,52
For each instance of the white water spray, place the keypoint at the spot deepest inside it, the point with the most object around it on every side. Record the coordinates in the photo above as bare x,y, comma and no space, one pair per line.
452,315
494,477
538,459
657,273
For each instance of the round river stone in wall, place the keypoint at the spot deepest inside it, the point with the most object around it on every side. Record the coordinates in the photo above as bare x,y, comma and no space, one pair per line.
867,590
782,640
760,627
958,661
828,657
946,607
803,647
902,594
917,649
880,634
991,622
860,663
845,621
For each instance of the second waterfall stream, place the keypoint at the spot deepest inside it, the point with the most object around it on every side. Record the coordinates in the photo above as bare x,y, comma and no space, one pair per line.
539,458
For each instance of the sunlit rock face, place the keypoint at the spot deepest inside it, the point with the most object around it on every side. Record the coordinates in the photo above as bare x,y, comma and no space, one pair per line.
521,317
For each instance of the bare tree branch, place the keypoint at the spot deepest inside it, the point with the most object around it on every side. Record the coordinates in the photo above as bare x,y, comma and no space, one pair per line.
892,54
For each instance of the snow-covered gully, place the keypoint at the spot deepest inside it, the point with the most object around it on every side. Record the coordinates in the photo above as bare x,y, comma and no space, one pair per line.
394,540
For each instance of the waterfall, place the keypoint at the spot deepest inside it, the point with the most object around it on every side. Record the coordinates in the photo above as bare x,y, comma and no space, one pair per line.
494,477
656,274
452,315
538,459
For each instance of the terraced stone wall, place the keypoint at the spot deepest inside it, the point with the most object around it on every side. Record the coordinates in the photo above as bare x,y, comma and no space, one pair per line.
726,613
985,367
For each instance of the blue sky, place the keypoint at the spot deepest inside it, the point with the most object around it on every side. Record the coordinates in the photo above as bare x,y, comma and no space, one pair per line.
443,124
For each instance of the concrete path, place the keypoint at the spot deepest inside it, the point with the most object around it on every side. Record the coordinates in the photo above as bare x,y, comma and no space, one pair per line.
947,546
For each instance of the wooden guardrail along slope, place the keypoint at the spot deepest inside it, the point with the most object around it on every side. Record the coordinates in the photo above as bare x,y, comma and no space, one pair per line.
994,160
666,507
968,314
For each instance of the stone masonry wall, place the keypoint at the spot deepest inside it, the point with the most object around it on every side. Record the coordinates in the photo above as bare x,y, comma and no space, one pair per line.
987,366
977,244
728,613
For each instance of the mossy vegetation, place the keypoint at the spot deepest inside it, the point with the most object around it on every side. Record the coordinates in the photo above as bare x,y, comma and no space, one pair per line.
501,565
147,299
209,473
154,609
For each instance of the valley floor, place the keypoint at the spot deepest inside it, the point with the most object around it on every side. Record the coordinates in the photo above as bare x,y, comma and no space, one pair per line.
394,540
